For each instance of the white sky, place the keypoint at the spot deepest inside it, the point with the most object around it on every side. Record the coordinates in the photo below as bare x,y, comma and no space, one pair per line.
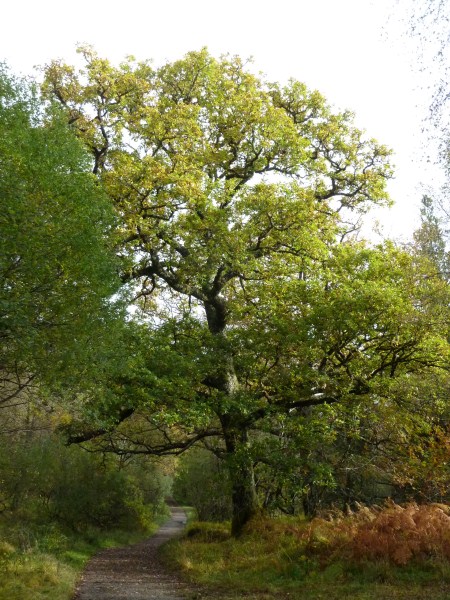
337,47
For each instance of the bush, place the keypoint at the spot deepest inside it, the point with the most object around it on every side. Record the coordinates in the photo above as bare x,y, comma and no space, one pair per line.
401,534
44,481
394,533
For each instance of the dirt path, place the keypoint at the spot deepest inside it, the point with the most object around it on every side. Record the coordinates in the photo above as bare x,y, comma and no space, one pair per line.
134,572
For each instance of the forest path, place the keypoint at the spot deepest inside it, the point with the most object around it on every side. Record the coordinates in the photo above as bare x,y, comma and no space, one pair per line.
135,572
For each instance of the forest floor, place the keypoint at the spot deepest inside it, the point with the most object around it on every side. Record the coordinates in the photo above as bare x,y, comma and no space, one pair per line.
135,572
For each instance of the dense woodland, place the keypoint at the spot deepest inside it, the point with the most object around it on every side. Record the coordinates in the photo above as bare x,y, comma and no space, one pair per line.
188,308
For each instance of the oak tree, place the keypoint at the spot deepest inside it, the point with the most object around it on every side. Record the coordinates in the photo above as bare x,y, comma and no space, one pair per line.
235,197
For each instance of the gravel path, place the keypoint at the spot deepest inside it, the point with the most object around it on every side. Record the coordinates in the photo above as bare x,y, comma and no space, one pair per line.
134,572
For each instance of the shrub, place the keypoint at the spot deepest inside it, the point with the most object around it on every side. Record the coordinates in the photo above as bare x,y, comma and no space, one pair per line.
404,533
44,481
394,533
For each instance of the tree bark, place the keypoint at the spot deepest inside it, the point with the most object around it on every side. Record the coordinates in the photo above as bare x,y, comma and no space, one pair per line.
234,426
240,465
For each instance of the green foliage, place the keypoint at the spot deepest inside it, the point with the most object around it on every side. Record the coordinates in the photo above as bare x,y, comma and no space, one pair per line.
430,238
371,329
81,491
60,504
202,481
188,188
57,273
235,199
47,482
44,561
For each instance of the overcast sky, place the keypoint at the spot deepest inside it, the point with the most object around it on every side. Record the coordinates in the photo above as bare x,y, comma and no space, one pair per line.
350,50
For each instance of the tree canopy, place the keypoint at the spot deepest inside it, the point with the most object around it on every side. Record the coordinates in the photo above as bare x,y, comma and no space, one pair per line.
236,199
57,268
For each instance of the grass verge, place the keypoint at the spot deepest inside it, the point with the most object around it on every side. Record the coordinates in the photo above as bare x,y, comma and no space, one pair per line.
319,560
45,562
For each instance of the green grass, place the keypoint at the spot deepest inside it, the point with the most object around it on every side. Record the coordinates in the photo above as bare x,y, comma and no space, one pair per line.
36,577
44,562
272,560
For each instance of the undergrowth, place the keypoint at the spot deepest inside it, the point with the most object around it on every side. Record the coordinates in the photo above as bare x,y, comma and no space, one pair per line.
379,553
40,562
396,534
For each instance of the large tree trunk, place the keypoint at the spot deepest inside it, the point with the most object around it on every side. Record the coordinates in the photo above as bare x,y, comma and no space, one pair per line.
240,464
234,427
